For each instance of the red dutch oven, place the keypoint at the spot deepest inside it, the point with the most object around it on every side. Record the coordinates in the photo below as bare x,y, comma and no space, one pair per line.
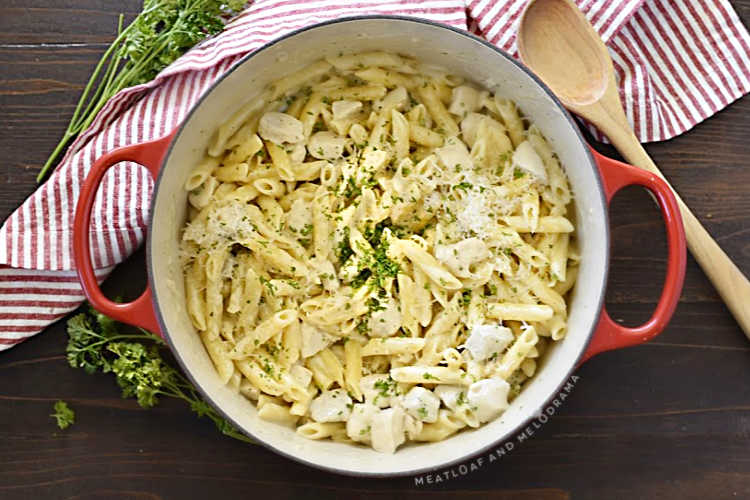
594,180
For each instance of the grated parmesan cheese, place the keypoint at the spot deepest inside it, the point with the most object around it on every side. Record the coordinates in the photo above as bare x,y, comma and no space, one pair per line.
475,217
226,224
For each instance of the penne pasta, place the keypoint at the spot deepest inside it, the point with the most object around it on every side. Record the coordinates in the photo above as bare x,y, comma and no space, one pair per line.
377,251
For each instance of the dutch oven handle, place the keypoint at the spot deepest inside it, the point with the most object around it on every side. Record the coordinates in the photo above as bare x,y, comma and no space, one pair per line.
139,312
608,334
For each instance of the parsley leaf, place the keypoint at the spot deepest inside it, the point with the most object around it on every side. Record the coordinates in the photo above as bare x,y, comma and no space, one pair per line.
64,416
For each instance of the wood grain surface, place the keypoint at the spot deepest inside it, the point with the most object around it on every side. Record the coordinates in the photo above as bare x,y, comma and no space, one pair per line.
669,419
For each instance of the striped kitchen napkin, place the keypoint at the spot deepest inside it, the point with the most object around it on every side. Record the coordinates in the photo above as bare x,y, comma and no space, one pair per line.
678,62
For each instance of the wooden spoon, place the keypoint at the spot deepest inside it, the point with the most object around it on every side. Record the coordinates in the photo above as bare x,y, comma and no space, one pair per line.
557,42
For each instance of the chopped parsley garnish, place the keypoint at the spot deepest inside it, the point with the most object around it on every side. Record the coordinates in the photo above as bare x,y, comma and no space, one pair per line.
374,304
351,190
268,368
271,287
344,250
273,349
461,399
361,278
386,387
428,376
354,81
294,284
380,265
362,327
375,264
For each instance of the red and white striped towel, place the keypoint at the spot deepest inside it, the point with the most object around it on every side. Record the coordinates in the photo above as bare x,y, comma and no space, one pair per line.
678,62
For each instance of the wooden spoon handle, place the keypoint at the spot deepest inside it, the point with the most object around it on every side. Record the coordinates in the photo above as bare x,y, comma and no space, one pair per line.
729,281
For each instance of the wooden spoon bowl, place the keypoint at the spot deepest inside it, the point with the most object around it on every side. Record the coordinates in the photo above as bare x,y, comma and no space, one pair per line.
574,68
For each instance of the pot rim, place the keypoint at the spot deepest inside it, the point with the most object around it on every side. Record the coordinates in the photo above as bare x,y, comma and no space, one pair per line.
418,470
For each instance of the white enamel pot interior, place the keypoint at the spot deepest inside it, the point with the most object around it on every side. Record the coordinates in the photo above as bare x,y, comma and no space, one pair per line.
463,55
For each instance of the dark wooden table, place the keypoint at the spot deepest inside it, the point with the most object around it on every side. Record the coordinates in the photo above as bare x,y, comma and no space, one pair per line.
669,419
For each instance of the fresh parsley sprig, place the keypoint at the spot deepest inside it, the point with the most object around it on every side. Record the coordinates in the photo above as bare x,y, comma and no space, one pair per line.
96,344
162,32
